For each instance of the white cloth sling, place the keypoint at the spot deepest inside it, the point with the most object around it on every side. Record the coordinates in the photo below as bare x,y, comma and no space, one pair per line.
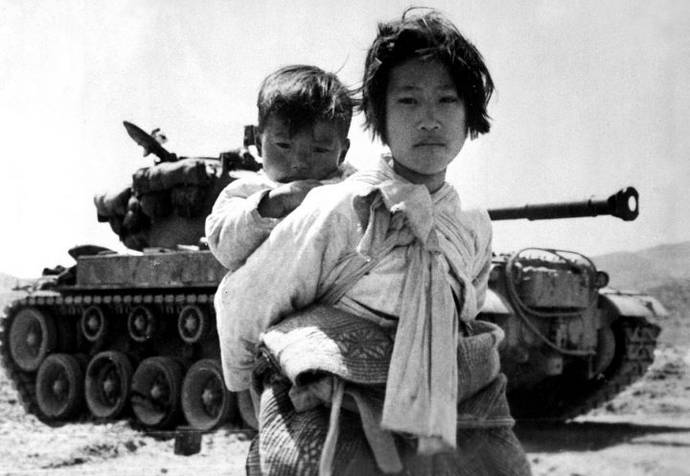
421,390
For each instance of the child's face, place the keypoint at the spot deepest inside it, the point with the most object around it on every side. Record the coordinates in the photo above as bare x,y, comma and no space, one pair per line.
425,117
313,152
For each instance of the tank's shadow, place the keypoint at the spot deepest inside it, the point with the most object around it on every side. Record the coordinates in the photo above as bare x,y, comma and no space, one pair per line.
553,437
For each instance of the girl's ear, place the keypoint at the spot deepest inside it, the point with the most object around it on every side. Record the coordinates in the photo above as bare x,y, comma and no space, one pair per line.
343,153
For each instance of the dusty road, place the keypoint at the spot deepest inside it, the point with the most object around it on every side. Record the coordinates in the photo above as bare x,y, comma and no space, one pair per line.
644,431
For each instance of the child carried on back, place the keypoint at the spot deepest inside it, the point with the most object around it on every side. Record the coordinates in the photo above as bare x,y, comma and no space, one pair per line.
304,118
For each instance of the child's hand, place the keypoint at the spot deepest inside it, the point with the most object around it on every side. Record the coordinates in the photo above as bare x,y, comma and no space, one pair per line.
282,200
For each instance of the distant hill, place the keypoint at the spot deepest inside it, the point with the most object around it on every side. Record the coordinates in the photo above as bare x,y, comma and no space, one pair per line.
675,296
648,268
7,282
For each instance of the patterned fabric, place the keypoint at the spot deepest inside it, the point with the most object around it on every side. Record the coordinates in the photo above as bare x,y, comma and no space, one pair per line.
326,339
290,444
322,340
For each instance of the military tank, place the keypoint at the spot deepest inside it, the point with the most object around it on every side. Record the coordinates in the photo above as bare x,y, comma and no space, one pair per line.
132,335
572,343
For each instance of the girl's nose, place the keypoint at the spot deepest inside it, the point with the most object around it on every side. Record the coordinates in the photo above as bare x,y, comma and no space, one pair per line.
429,119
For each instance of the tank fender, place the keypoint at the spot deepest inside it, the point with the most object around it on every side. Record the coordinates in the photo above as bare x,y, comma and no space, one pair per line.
494,303
632,304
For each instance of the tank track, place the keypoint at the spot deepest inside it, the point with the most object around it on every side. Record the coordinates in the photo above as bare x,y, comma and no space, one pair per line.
69,307
562,398
559,398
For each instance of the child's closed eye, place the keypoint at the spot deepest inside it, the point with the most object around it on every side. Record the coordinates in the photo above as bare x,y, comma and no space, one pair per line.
407,100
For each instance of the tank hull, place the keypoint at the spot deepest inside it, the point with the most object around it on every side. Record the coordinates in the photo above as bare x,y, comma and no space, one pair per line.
152,270
172,293
570,344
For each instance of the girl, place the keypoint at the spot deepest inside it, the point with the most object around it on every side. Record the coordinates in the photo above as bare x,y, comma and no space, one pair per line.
404,269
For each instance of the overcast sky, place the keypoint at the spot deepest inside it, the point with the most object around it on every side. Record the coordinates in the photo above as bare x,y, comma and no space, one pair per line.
591,97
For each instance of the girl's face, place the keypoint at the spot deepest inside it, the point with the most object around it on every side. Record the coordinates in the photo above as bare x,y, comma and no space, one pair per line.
425,120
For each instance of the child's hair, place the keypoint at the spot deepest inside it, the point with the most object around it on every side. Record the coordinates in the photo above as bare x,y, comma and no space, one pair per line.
302,95
426,36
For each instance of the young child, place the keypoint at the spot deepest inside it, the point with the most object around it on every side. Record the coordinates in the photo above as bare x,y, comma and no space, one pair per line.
304,118
405,269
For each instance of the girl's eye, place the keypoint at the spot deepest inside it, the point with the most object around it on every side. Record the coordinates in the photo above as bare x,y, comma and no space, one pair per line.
407,100
282,145
321,150
449,99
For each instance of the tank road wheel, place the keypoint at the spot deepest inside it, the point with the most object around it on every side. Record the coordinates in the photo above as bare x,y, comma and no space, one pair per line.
93,324
155,396
32,336
206,402
107,384
141,324
246,408
60,386
625,351
192,324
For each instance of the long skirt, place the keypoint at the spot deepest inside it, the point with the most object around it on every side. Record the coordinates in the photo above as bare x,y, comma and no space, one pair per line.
290,443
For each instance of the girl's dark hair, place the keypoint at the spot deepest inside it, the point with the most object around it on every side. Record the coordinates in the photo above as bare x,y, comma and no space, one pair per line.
302,95
425,36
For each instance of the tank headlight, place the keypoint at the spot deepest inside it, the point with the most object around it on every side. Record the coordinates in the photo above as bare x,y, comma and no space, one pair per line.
601,279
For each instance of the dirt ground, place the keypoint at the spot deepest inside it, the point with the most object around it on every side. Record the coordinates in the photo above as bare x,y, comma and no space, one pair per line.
644,431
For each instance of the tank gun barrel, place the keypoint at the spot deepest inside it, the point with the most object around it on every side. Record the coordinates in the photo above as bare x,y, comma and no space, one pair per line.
623,204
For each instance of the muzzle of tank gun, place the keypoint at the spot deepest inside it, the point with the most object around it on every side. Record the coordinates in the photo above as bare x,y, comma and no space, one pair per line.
624,204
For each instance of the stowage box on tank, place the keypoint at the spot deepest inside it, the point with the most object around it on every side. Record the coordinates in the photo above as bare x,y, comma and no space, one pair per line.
121,335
